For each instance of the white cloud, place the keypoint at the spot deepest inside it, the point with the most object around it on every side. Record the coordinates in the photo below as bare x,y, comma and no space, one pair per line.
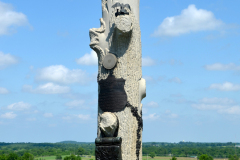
217,100
220,105
147,61
153,116
190,20
175,80
222,67
48,88
84,117
175,62
66,118
152,104
171,115
61,74
148,78
88,59
208,106
3,91
231,110
8,115
31,119
227,86
6,59
76,104
48,115
20,106
9,19
176,95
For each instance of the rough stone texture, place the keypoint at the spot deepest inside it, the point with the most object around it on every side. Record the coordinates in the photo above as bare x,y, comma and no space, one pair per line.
121,36
108,124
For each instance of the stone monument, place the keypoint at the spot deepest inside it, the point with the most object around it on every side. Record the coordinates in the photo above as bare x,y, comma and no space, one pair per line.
120,84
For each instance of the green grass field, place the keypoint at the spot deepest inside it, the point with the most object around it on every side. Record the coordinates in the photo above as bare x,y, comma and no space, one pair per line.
54,157
168,158
144,158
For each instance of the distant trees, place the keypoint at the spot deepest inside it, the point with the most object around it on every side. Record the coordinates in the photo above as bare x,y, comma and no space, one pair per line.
2,157
234,157
152,154
80,151
16,151
205,157
72,157
27,156
12,156
173,158
58,157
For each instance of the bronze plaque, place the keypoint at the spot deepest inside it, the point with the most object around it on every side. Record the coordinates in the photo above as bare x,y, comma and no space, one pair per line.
112,96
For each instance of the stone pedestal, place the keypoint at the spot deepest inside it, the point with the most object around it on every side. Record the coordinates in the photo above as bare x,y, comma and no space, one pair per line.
108,148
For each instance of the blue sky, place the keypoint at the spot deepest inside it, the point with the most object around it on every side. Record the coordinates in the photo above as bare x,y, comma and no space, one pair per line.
48,73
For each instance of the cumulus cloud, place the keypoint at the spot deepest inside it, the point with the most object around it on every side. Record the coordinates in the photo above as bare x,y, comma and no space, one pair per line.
175,62
227,86
147,61
3,91
48,88
190,20
75,103
66,118
153,116
220,105
10,19
19,106
204,106
171,115
6,59
88,59
231,110
31,119
48,115
175,80
84,117
222,67
149,79
8,115
61,74
217,100
152,104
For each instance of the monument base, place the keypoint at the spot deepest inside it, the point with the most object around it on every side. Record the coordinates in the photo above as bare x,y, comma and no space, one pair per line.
108,148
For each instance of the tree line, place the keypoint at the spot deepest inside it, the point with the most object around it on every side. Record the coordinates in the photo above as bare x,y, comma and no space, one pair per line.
181,149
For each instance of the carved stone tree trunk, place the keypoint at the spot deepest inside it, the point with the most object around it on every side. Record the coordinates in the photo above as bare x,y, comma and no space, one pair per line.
121,86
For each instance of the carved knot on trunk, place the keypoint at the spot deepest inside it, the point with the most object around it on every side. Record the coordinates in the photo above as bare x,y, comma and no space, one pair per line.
108,124
123,23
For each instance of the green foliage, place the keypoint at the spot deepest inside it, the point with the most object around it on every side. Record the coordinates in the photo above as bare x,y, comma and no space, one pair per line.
72,157
205,157
58,157
2,157
27,156
16,151
234,157
152,155
12,156
173,158
80,151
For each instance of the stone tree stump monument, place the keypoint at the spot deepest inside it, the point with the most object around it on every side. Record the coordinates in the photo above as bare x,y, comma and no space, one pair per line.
120,84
